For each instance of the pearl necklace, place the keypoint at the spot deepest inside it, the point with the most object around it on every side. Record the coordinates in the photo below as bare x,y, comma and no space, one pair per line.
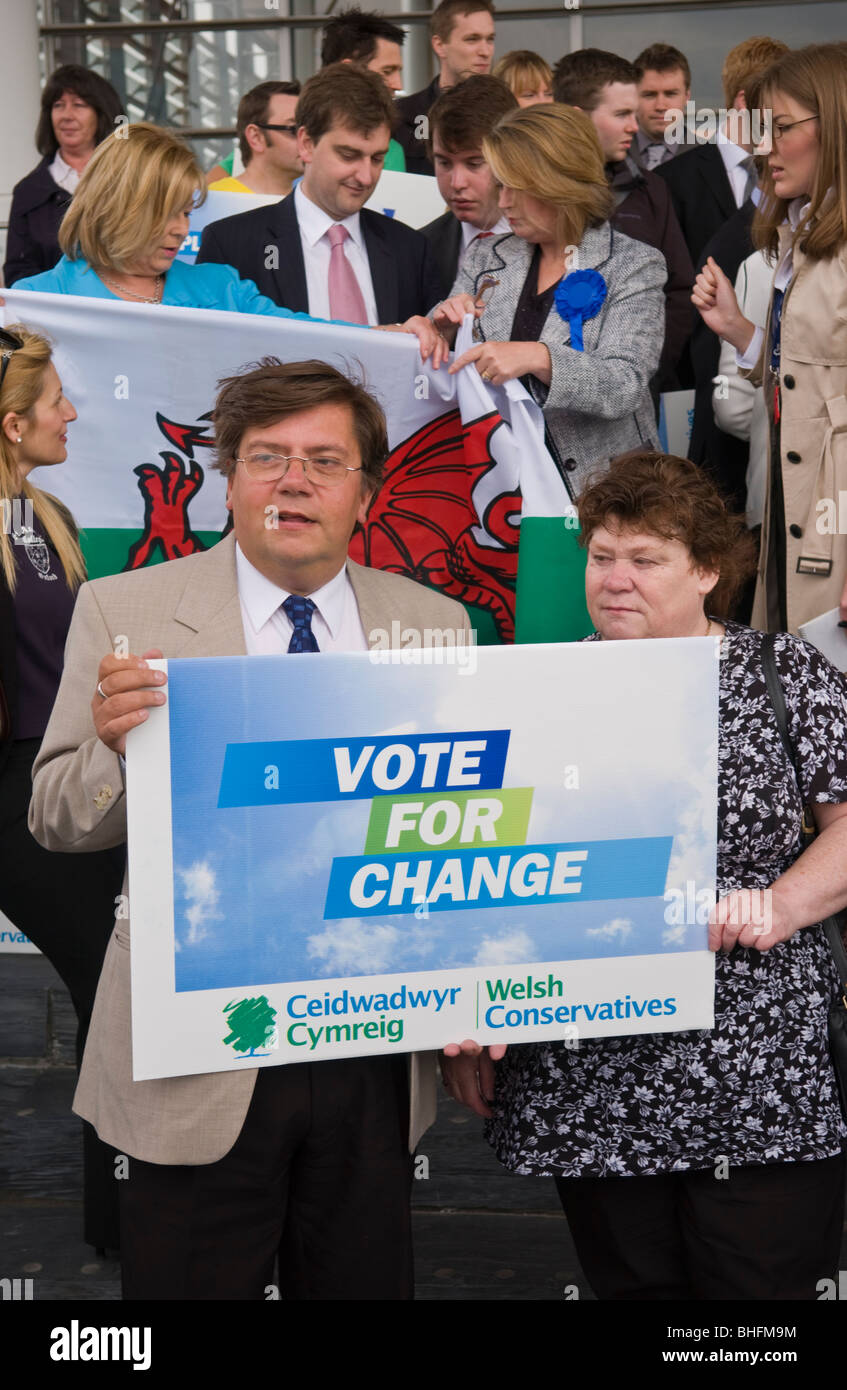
155,298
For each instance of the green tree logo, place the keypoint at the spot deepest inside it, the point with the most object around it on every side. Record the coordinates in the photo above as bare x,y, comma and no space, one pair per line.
251,1024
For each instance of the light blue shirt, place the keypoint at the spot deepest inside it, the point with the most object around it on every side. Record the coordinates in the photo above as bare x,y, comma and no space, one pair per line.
191,286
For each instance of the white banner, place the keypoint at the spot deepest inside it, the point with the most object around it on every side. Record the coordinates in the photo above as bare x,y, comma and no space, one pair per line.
144,379
13,940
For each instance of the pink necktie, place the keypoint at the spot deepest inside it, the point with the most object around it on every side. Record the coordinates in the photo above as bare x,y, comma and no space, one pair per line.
346,300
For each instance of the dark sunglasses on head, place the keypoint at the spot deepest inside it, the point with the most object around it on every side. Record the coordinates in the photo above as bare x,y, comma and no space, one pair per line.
286,129
9,343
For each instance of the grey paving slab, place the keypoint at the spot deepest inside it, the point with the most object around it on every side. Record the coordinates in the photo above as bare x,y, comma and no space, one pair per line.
42,1241
493,1256
463,1173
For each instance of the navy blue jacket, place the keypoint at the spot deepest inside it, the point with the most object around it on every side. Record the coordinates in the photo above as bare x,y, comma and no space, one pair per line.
38,206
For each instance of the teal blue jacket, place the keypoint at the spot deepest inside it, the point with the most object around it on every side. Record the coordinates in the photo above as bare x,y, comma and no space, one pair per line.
191,286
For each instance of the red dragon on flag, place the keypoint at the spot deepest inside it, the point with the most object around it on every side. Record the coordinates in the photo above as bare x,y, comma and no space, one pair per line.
428,522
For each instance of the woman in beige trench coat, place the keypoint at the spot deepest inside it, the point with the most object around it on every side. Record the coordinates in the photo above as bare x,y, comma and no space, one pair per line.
801,356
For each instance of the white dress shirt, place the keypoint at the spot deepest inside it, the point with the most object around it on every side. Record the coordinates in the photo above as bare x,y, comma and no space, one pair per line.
314,223
470,233
267,628
740,408
781,280
733,156
63,174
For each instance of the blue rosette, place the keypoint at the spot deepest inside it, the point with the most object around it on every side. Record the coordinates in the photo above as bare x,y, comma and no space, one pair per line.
579,296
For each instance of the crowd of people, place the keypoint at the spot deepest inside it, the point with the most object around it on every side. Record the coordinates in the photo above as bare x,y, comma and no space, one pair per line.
716,264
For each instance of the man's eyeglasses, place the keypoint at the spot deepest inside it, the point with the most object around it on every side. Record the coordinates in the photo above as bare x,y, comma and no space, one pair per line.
9,343
782,128
269,468
285,129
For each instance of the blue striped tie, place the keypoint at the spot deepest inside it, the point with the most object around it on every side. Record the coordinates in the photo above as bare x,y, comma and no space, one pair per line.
300,612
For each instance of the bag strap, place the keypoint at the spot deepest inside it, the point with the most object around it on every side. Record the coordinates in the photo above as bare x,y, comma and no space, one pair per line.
777,695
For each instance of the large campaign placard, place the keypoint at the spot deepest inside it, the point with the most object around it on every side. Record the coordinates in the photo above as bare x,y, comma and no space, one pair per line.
343,854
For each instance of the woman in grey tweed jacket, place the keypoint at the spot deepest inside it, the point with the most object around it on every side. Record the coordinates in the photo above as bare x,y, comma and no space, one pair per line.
596,401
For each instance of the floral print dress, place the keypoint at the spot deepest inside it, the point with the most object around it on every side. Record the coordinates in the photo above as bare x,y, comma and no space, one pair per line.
759,1087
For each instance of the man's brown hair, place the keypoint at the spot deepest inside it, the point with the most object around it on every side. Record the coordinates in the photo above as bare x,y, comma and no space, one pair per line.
253,110
442,21
746,61
463,115
671,497
269,390
661,57
579,78
342,94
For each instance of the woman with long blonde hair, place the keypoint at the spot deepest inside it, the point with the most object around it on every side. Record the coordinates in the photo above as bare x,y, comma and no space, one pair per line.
64,903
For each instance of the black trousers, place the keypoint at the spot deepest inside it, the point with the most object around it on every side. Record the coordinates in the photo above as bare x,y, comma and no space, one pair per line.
319,1177
65,904
767,1232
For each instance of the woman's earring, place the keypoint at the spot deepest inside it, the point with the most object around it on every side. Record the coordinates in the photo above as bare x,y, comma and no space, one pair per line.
18,440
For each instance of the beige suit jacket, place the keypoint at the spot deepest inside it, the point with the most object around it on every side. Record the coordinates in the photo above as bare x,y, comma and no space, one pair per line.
187,607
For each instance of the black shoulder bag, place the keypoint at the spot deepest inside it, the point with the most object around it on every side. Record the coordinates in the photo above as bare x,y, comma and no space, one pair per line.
837,1022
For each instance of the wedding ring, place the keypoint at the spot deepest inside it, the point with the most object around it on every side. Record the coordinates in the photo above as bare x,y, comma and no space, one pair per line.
485,376
101,692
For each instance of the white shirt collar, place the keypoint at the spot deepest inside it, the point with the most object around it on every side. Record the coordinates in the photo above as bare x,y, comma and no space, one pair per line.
797,208
64,174
315,223
469,231
731,154
261,597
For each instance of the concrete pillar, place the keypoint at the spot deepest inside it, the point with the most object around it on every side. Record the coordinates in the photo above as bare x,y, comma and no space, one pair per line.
419,62
20,83
305,42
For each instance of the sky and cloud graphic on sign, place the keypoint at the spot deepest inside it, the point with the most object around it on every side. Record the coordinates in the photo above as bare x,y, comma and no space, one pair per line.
251,881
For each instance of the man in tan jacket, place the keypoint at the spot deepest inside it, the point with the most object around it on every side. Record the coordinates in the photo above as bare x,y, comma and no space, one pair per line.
306,1161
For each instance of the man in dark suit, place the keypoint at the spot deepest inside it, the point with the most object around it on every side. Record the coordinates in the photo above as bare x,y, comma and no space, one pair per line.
722,455
463,42
663,78
458,123
603,85
710,182
319,250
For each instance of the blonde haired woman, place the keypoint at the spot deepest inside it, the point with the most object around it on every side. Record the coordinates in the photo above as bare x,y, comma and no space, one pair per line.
127,222
65,903
565,302
527,75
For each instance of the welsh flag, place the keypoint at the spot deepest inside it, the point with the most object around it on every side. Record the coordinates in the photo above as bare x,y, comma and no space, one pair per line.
471,505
